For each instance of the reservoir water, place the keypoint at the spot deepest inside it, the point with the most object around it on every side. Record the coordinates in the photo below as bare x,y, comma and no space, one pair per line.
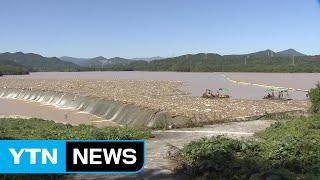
196,83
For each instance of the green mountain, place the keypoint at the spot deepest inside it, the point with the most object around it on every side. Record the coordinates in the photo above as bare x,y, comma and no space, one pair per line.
35,62
99,61
262,61
148,58
290,52
78,61
267,52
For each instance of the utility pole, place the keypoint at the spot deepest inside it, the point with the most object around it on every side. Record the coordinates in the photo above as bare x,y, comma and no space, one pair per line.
293,60
187,57
101,65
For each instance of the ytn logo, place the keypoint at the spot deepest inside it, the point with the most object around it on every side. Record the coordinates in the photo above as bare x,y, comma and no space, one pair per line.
60,156
32,153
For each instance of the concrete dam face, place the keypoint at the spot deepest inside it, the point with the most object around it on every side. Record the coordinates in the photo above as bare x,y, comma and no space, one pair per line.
121,113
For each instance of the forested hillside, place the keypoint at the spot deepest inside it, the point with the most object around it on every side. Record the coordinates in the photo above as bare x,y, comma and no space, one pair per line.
263,61
96,62
35,62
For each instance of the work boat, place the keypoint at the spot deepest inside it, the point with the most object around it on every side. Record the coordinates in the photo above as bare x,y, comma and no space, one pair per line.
281,94
220,94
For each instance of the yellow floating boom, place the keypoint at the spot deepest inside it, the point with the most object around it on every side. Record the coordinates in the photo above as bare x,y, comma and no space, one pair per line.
262,85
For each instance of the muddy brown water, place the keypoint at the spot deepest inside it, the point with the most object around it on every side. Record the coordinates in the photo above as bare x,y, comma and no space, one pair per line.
195,83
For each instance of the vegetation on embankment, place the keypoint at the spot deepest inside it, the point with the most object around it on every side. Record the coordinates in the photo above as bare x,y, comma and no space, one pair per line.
44,129
314,95
11,68
49,130
286,150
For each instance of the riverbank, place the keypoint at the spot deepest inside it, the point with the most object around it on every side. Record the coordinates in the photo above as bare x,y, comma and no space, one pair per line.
159,96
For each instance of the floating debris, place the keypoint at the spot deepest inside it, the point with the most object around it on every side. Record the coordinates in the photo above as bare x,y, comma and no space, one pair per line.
159,94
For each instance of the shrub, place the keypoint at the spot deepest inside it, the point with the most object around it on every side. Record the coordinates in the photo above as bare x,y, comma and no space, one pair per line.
314,95
43,129
286,150
220,158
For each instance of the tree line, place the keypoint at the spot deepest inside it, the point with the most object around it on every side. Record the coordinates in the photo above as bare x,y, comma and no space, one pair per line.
217,63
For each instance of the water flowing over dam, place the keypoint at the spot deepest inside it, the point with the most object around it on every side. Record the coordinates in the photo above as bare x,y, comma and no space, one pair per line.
124,114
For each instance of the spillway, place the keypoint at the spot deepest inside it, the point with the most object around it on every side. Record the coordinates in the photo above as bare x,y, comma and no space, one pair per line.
124,114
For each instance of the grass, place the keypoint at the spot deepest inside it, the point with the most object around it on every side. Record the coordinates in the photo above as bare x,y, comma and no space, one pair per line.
43,129
49,130
286,150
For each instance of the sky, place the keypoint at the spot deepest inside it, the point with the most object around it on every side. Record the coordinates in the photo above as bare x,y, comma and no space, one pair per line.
146,28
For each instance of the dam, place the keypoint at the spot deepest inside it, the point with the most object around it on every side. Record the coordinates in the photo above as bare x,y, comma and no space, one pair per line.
108,111
163,102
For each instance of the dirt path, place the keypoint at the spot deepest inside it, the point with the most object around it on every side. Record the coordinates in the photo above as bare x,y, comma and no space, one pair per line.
159,166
